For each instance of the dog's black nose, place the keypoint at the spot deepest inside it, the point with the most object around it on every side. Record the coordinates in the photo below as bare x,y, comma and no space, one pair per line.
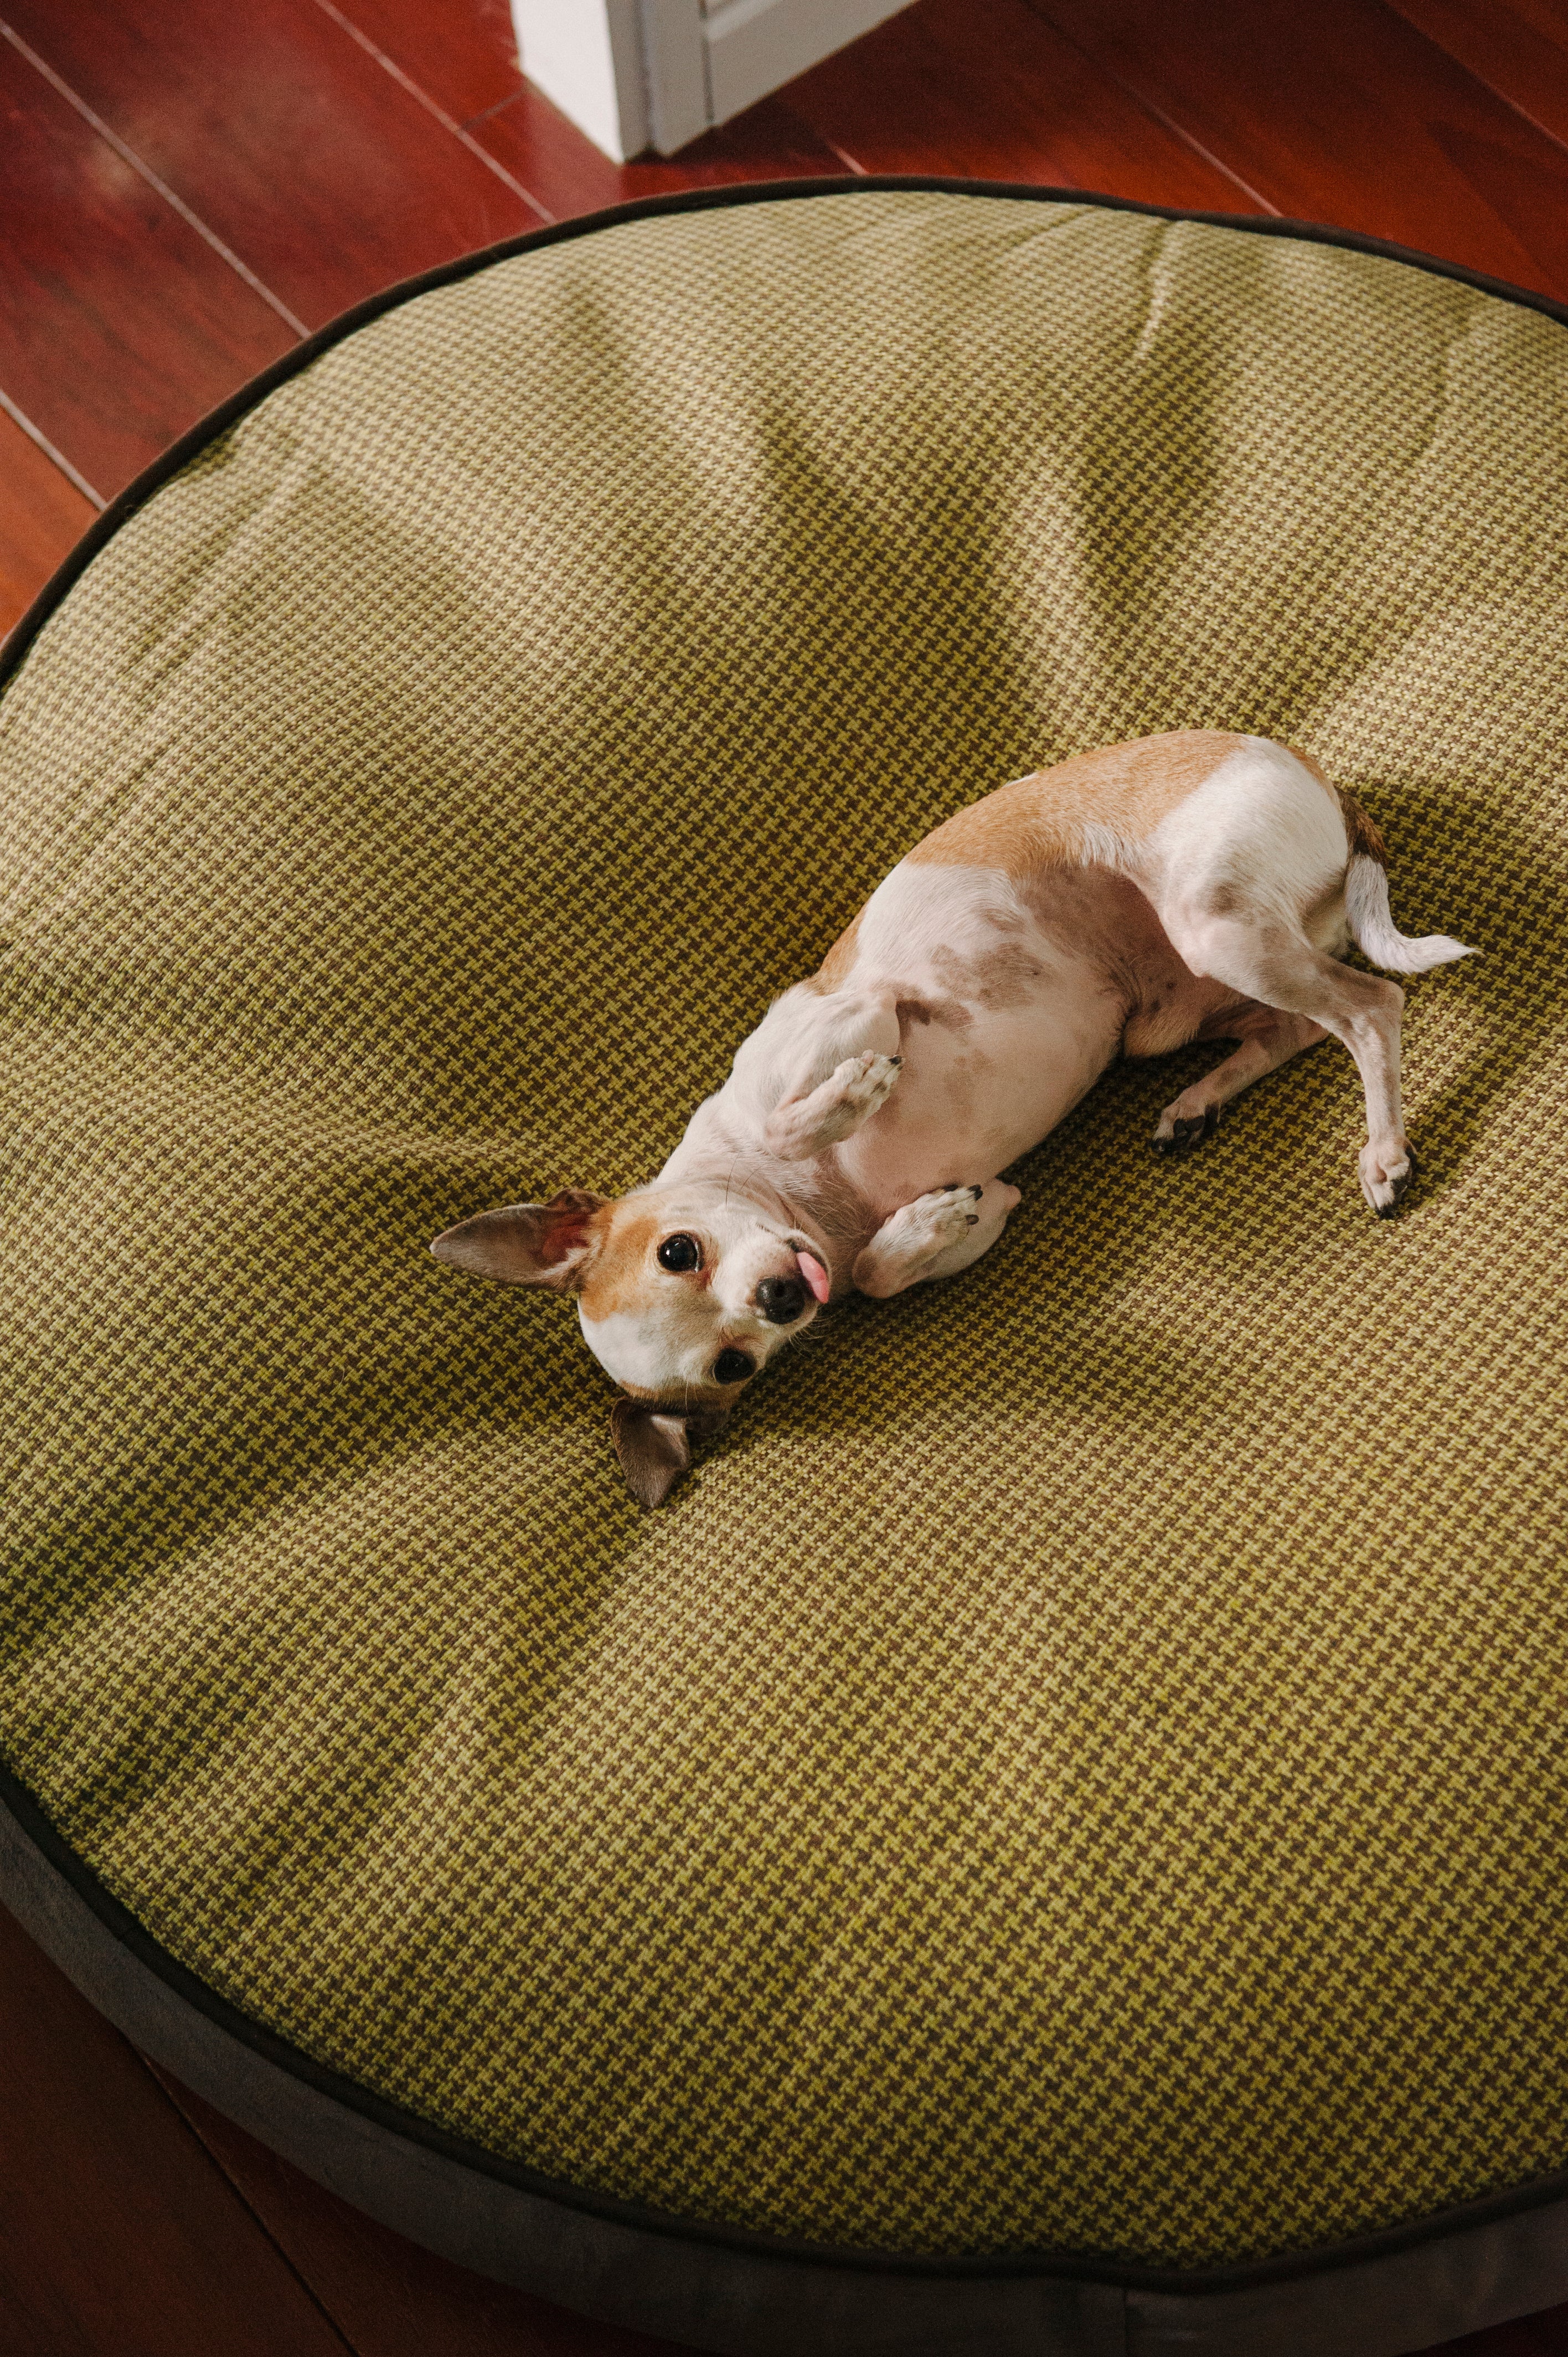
781,1299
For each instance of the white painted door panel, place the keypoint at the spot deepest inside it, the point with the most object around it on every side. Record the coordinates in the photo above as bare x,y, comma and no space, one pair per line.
587,55
640,73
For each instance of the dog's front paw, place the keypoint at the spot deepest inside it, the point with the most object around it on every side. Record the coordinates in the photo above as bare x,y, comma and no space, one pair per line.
934,1222
859,1085
1388,1170
936,1236
800,1127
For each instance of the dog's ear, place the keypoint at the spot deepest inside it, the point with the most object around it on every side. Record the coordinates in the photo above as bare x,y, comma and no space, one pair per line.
654,1443
529,1244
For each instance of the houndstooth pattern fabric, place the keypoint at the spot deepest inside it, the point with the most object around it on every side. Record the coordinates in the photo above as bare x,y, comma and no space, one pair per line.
1080,1766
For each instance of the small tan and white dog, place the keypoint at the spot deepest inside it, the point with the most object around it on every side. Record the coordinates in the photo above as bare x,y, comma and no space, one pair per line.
1197,886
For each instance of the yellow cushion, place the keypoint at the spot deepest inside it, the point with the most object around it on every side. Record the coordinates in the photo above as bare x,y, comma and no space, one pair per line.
1079,1767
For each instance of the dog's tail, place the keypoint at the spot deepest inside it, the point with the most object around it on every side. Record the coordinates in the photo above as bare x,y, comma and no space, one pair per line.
1367,910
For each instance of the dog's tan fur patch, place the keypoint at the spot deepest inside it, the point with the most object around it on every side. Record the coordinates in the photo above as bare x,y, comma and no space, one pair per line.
618,1280
1039,821
840,959
1366,836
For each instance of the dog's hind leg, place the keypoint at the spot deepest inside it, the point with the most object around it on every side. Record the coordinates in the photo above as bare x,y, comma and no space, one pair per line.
1266,1039
1277,965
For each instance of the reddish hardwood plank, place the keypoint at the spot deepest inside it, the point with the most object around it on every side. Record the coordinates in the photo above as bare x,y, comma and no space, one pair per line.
118,325
1544,2335
568,175
315,165
1339,111
1519,47
988,90
41,519
119,2234
463,52
391,2298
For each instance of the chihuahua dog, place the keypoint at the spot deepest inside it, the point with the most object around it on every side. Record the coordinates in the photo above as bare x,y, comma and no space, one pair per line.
1196,886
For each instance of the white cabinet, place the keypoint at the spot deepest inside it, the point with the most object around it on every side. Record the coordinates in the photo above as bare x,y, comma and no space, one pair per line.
655,73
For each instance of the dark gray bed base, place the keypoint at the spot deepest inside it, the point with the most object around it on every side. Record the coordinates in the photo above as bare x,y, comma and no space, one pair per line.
752,2303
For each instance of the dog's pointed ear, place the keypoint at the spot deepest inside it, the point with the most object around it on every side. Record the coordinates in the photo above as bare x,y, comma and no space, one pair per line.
654,1443
530,1243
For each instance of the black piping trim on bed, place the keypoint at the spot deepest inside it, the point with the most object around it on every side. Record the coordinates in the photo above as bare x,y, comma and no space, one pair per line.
38,1829
738,2295
1519,2236
690,200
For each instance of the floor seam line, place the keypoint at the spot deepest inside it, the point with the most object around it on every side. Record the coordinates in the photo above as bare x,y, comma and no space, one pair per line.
166,2090
35,434
1481,81
1167,122
145,171
447,122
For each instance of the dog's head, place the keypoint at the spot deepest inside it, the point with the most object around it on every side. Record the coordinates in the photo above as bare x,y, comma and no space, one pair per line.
684,1292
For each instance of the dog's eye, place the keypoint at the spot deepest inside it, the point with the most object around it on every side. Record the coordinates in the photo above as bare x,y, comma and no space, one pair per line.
731,1367
680,1253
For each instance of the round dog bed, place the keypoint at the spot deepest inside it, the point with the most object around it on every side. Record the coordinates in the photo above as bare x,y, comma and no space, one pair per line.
1055,1838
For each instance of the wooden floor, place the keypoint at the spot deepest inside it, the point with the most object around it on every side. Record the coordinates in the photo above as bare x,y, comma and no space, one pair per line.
188,186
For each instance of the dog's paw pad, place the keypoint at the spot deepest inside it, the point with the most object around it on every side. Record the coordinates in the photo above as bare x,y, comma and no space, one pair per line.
1387,1173
943,1217
1178,1133
863,1081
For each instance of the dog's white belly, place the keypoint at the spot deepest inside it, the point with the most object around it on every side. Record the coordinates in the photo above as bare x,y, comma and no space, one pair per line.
1001,1029
970,1101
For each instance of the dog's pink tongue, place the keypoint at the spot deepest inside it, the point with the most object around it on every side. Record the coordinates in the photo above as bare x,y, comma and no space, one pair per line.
815,1275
